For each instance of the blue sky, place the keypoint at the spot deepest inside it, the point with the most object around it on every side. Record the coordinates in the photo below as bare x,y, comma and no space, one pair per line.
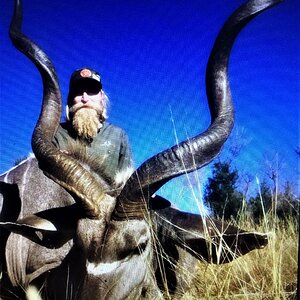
152,57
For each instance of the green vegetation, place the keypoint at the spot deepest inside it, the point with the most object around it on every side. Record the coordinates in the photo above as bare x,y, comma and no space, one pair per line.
221,194
226,201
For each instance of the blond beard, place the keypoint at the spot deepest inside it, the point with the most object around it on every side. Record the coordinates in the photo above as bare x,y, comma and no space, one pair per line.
86,123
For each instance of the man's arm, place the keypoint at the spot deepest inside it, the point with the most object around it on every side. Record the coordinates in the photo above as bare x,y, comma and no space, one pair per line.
125,157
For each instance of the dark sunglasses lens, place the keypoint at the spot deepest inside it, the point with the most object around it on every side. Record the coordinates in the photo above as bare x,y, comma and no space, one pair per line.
90,87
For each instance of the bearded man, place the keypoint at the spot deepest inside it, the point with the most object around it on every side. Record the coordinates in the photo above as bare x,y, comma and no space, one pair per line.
87,135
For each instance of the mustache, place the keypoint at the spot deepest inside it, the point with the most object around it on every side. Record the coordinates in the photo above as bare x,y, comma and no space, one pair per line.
76,107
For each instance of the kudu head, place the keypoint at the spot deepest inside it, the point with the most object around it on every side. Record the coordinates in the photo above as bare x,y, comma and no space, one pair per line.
116,230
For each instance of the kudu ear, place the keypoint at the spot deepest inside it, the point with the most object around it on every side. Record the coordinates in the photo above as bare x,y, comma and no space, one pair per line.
206,239
219,246
49,228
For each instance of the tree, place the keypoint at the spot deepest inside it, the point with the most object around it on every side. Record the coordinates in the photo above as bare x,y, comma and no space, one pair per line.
262,202
288,203
221,194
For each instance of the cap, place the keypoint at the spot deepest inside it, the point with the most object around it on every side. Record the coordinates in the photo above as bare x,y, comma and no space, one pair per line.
81,79
85,73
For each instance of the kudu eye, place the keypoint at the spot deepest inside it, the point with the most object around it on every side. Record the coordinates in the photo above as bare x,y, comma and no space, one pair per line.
140,248
133,250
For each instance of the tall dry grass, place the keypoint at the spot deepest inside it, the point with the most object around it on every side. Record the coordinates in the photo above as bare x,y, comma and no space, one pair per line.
269,273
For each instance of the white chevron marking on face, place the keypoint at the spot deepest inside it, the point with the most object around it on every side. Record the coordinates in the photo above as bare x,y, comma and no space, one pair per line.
102,268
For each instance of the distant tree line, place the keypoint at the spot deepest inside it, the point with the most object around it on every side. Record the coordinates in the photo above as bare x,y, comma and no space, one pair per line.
226,201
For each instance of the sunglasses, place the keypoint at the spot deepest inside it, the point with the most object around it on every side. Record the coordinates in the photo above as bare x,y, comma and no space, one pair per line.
91,87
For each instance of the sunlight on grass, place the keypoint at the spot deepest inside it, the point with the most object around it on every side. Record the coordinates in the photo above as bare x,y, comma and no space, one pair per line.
269,273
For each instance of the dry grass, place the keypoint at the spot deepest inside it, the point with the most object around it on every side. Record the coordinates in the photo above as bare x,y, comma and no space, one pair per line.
269,273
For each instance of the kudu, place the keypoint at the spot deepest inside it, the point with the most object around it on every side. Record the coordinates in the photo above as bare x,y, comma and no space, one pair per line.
76,236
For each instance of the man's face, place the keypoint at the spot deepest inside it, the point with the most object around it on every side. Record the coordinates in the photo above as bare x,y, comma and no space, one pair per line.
87,94
87,107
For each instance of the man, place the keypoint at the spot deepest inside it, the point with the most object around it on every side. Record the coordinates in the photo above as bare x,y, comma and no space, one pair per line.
87,135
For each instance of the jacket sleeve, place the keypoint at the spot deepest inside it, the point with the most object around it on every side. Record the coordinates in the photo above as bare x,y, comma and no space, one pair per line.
125,157
60,139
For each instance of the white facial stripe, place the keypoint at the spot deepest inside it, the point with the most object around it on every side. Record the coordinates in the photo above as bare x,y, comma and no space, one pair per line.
102,268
